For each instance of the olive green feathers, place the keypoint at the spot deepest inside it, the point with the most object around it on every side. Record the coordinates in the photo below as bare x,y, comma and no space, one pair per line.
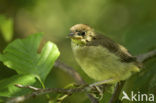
100,57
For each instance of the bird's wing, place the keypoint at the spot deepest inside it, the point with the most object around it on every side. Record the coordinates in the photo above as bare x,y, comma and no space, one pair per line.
112,46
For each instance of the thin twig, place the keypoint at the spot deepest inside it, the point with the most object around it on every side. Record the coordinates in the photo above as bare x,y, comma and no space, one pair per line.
143,57
39,91
70,71
44,91
29,87
101,82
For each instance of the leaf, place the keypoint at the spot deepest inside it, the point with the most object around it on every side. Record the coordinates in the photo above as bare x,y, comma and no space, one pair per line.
8,88
21,55
6,72
6,28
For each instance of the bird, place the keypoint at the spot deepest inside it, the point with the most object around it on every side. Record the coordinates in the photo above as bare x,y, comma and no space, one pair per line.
100,57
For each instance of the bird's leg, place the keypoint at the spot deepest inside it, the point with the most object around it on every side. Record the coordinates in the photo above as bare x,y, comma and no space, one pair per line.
98,91
98,88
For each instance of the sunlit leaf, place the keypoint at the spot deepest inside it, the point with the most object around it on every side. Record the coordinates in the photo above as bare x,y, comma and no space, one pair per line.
8,88
21,55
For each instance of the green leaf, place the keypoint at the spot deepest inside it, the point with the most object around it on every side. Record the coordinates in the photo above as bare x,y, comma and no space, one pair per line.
6,27
8,88
6,72
21,55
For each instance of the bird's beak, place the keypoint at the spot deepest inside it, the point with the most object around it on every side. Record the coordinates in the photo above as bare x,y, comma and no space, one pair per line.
71,35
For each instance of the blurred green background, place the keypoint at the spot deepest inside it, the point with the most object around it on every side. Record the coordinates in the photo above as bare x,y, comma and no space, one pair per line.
129,22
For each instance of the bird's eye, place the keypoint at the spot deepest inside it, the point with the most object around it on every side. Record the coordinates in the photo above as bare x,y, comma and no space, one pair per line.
81,33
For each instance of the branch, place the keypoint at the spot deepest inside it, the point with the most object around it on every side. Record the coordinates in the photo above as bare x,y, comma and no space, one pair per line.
117,91
29,87
39,91
70,71
143,57
100,83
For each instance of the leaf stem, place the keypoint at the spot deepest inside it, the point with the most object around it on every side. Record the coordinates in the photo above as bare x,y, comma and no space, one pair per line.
43,86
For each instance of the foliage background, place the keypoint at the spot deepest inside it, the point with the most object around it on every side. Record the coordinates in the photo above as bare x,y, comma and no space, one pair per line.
129,22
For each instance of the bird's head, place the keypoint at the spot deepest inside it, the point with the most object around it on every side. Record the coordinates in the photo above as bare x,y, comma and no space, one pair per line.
81,33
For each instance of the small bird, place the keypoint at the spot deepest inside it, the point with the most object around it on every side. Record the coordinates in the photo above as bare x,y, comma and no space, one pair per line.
100,57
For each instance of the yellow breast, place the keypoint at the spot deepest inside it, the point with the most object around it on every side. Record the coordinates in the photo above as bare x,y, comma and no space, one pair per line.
101,64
